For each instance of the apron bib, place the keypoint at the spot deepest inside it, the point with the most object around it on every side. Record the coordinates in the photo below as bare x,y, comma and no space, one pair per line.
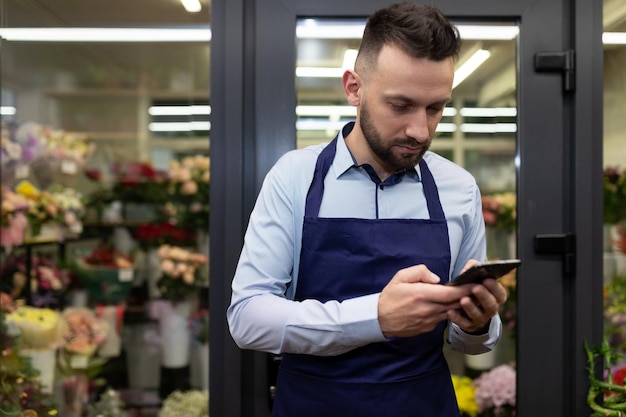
342,258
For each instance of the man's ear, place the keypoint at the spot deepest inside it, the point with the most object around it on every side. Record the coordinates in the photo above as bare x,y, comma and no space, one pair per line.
352,87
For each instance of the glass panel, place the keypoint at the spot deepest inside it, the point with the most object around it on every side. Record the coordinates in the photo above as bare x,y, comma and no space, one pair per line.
104,114
478,131
615,182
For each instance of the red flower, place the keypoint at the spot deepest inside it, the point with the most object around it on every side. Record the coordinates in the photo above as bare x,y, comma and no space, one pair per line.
620,376
93,174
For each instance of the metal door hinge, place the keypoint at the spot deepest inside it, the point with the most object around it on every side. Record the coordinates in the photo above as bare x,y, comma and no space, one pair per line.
558,244
562,61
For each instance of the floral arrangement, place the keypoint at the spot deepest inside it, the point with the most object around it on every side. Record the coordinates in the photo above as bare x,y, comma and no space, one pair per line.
43,207
57,156
199,324
614,195
105,273
48,282
465,395
39,328
71,208
139,182
151,235
20,382
12,218
105,255
615,313
500,211
180,275
109,405
189,188
86,332
611,390
193,403
496,392
77,361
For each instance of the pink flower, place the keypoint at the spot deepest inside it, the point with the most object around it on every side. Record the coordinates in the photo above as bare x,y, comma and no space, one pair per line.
189,188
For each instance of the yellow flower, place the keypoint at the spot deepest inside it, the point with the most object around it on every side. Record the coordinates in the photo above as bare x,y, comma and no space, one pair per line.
465,392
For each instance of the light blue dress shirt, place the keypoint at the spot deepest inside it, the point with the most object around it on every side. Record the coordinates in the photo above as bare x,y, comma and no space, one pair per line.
262,315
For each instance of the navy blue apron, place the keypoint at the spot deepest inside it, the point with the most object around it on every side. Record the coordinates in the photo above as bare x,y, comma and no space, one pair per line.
342,258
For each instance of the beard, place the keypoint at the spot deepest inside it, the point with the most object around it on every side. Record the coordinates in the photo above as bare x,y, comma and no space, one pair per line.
384,149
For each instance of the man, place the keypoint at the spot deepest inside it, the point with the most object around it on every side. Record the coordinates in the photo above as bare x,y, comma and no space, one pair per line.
349,243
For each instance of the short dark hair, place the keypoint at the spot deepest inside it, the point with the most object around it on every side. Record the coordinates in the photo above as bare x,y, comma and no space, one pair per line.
420,30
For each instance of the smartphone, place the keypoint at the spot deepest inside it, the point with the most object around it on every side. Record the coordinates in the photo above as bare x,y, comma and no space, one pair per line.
490,269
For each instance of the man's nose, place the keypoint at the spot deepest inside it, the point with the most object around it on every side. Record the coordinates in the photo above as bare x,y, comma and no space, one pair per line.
417,127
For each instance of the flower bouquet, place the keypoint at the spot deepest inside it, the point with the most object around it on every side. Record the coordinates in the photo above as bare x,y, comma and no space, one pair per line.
48,282
193,403
106,274
43,213
71,208
177,287
496,392
180,277
13,220
500,211
24,385
143,189
41,332
63,157
78,363
189,187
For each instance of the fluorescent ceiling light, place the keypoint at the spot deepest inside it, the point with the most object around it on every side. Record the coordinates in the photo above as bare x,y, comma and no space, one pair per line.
320,29
192,6
179,110
195,34
349,58
614,38
325,111
7,110
179,126
488,112
470,66
319,72
489,127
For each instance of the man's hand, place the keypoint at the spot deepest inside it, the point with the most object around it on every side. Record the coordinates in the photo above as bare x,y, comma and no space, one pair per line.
410,304
479,307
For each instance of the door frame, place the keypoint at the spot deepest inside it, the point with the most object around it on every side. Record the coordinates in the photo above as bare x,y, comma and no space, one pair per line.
559,153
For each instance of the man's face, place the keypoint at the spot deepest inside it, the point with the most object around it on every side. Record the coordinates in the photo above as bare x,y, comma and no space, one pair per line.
401,103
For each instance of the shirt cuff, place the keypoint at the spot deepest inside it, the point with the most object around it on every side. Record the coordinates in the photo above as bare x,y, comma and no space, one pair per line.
475,344
359,318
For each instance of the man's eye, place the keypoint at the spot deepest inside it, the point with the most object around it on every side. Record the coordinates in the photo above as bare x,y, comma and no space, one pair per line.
435,110
399,107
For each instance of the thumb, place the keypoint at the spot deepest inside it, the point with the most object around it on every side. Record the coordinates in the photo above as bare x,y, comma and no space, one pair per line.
416,273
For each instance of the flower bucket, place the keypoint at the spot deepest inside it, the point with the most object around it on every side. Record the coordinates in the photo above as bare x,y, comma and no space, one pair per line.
48,232
175,333
483,361
143,356
114,317
200,370
105,285
44,361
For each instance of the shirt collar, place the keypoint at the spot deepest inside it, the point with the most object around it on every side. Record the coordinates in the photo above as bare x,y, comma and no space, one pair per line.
344,160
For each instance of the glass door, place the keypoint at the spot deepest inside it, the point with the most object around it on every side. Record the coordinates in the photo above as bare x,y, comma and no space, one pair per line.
500,127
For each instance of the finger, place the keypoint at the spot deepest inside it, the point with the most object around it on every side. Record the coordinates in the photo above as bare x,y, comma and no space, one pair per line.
416,273
497,290
469,264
